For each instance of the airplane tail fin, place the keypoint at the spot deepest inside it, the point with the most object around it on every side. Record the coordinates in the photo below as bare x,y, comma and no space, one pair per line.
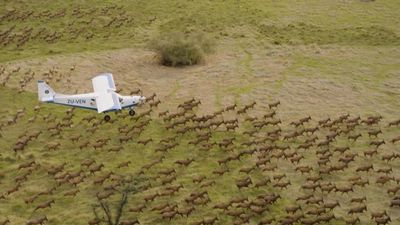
45,92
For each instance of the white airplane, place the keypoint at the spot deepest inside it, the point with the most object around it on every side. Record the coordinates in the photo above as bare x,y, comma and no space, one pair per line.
104,99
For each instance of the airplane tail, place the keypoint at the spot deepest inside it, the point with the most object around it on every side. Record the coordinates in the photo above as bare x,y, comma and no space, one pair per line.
45,92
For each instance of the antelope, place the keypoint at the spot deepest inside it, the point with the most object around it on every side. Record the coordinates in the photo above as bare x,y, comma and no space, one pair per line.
270,114
393,190
354,120
84,145
138,208
383,179
358,199
389,157
37,221
331,205
275,122
352,220
283,184
198,179
129,222
375,215
220,171
223,206
164,113
243,182
98,145
292,209
274,104
87,162
150,197
124,164
184,162
311,130
394,123
395,202
4,222
31,199
374,133
324,121
95,168
365,168
303,169
357,209
371,152
305,146
46,204
104,194
354,137
382,220
154,104
115,148
344,189
228,108
145,142
125,139
304,120
341,149
209,220
53,146
71,192
385,170
396,139
75,138
377,143
290,136
26,165
151,97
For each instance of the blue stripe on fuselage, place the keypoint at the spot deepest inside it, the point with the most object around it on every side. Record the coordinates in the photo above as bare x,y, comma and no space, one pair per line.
84,107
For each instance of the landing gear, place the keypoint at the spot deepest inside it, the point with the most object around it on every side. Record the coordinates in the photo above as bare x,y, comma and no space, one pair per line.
132,112
107,118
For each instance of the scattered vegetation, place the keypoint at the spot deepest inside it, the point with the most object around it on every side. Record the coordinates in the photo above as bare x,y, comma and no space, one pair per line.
302,33
178,49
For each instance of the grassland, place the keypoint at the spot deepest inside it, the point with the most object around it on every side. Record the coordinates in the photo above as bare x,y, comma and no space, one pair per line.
319,58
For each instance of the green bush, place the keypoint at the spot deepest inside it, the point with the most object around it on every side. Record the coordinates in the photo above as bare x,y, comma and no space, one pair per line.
178,49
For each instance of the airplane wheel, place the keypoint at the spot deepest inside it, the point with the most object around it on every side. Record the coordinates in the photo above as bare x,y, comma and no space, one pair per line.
132,112
107,118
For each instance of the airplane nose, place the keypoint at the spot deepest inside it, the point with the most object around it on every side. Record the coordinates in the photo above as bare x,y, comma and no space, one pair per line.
142,99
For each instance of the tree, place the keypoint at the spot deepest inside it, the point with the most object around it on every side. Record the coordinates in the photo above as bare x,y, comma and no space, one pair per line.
136,185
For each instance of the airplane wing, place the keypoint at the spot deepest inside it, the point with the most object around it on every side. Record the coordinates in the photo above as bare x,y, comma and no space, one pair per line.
104,88
103,83
107,101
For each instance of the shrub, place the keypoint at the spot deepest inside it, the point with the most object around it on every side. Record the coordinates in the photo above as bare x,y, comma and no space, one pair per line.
178,49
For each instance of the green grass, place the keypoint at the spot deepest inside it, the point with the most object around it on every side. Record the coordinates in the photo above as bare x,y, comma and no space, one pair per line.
69,210
283,22
341,42
300,34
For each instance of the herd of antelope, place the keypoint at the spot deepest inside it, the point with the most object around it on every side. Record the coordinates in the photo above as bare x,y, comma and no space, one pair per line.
83,23
233,167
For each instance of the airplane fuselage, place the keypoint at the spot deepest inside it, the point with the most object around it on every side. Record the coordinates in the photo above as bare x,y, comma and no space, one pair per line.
88,101
104,98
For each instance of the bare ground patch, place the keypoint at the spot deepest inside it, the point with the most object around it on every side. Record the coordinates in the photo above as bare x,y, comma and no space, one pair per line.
307,80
